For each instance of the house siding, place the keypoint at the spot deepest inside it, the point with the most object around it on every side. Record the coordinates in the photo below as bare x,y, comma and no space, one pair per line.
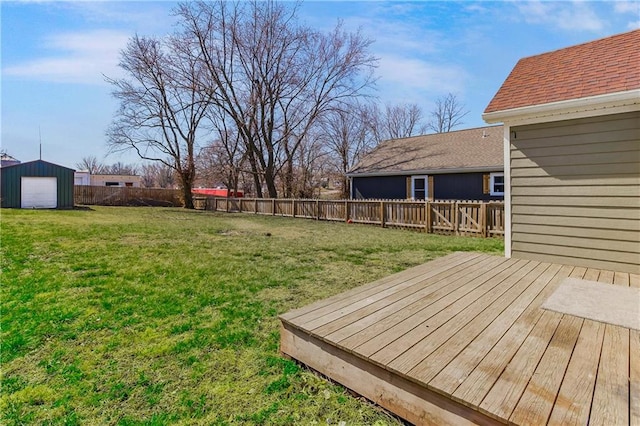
461,186
575,192
452,186
379,187
11,177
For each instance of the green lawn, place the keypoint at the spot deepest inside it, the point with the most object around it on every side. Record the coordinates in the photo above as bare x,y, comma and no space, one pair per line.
150,316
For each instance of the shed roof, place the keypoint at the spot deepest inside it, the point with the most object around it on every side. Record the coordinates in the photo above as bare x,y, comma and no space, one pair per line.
28,163
462,150
600,67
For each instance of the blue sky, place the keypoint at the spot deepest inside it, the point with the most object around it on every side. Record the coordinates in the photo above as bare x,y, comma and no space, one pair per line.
55,53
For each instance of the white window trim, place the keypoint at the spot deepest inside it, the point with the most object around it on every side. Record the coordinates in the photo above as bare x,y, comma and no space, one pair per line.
426,186
492,178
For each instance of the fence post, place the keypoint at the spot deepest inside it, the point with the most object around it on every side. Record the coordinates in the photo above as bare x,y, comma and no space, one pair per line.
455,218
427,215
346,210
483,219
317,209
273,206
294,208
382,213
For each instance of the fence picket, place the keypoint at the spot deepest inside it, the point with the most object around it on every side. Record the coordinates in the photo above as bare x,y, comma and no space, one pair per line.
123,196
472,218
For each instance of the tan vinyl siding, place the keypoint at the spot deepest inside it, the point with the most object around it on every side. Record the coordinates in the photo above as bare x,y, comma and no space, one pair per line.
575,192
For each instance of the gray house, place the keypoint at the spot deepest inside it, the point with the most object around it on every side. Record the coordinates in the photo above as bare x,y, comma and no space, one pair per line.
36,184
572,142
458,165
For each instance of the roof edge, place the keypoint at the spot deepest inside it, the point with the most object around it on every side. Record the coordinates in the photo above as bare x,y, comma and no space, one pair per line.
38,161
442,133
428,171
573,108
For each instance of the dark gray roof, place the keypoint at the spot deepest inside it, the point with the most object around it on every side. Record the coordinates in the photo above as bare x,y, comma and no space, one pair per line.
478,149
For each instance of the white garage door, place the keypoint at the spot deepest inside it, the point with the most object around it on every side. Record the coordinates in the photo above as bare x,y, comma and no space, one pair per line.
39,193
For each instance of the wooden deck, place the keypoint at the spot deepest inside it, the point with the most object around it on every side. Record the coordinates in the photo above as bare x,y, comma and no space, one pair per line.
463,340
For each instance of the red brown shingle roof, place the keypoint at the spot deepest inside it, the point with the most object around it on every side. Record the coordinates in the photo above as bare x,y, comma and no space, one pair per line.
604,66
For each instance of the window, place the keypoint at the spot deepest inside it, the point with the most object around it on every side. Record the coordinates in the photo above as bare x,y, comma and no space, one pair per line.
112,184
496,184
419,187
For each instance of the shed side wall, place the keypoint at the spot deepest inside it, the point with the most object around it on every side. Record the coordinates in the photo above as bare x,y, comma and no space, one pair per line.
575,192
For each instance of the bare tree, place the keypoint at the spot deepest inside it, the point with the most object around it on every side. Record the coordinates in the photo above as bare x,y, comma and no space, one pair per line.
221,162
120,168
447,114
273,77
161,106
403,120
224,159
90,164
395,122
347,136
308,169
148,175
166,177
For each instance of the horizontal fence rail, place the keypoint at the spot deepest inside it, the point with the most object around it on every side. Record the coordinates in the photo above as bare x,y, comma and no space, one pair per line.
126,196
473,218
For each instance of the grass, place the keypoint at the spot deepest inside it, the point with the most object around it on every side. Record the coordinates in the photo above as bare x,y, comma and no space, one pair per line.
152,316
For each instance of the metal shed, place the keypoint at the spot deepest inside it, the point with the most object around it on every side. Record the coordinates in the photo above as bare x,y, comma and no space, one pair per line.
36,184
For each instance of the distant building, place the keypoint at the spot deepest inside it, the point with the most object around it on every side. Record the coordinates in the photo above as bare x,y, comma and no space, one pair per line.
82,178
85,178
458,165
7,160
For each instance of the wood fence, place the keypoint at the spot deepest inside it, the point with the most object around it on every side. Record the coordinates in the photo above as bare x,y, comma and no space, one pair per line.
473,218
126,196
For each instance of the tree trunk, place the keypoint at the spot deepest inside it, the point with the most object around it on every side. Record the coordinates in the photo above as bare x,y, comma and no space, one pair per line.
270,181
186,179
186,193
288,179
345,187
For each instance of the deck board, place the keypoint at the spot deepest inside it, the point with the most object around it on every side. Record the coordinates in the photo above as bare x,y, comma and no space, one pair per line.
611,394
383,332
478,384
464,339
507,306
499,286
634,365
403,295
406,349
574,399
462,365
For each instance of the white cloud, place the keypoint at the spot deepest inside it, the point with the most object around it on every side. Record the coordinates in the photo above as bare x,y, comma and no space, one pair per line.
79,57
567,16
627,7
411,79
633,25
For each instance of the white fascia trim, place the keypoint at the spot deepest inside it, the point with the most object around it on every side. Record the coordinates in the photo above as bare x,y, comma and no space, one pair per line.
611,103
507,191
426,172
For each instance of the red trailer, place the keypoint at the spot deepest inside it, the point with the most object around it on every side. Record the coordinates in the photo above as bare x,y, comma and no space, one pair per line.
218,192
